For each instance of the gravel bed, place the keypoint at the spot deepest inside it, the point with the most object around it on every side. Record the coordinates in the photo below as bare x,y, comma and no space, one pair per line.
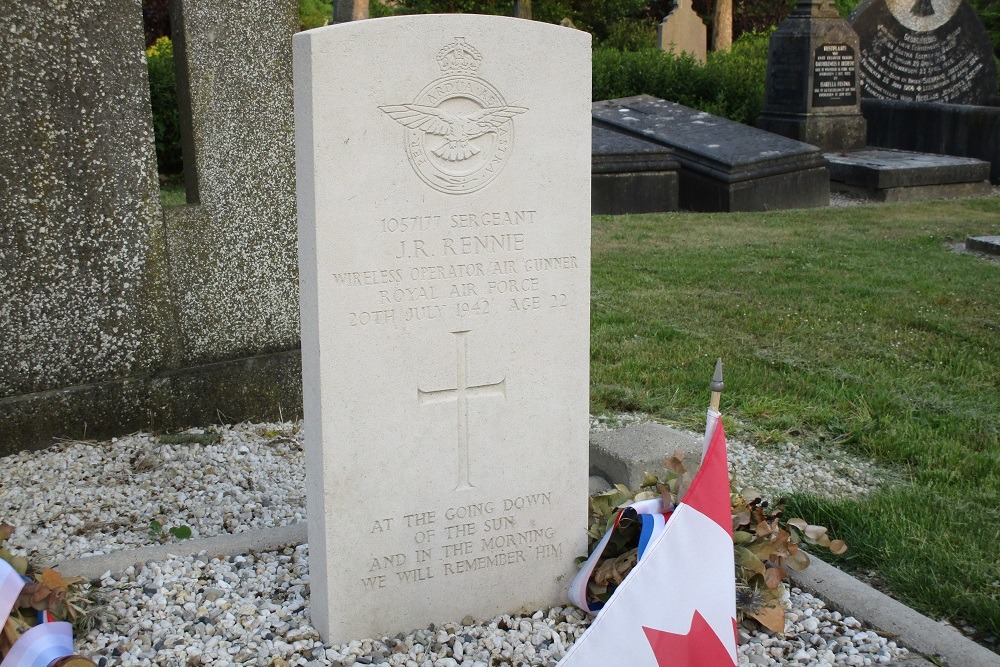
80,499
253,610
775,470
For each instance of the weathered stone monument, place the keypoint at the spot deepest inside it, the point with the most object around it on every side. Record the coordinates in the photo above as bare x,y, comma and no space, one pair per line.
924,51
443,199
811,92
683,31
631,175
117,313
724,165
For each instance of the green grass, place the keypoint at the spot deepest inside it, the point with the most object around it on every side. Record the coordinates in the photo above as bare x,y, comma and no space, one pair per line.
856,325
172,194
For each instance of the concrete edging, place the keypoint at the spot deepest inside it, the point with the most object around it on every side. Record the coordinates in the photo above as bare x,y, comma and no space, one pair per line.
229,544
876,609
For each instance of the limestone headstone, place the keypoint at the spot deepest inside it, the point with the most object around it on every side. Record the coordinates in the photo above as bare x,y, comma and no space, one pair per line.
683,31
811,92
924,51
444,208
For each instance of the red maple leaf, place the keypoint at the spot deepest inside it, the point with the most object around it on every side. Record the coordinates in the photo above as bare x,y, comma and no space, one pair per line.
700,647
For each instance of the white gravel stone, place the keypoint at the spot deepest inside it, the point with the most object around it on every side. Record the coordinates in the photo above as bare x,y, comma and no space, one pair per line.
78,499
777,469
82,498
270,626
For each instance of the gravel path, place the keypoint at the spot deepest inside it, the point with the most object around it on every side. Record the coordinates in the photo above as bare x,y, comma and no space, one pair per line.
253,610
79,499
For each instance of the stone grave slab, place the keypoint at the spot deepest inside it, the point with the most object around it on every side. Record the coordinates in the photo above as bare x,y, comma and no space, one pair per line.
924,51
444,241
936,127
630,174
725,166
683,31
988,244
624,455
891,175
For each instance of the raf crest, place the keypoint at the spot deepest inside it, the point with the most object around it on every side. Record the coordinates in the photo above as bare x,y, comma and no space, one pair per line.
460,131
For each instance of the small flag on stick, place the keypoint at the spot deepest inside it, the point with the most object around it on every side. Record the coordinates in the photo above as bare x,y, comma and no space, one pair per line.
677,607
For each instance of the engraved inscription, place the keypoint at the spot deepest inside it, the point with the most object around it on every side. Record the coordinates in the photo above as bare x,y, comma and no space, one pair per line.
456,267
459,128
469,538
461,394
919,66
834,76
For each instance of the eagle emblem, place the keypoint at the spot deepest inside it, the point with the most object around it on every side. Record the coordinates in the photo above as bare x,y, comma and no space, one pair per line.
471,116
457,130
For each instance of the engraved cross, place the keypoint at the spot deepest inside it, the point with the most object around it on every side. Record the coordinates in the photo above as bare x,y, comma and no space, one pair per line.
461,394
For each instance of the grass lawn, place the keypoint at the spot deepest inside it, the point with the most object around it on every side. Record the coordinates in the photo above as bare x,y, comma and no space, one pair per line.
172,193
855,325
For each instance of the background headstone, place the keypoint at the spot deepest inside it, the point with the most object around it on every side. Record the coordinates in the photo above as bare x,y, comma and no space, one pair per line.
118,314
82,246
811,92
240,237
683,31
443,198
924,51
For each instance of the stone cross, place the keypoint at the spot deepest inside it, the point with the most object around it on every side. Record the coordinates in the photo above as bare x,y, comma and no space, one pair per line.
461,394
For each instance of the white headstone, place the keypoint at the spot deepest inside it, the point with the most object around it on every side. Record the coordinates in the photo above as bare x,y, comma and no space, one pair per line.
444,243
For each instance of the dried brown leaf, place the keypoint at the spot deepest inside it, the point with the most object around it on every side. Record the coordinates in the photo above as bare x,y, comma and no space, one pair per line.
774,576
771,617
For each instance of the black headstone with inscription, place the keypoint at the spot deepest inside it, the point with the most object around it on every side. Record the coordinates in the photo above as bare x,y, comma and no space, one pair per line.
924,51
812,90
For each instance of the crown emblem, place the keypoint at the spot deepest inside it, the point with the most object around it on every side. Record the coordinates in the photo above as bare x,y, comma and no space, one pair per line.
459,57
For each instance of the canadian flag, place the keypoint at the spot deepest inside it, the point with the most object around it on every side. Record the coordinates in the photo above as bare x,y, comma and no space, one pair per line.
677,607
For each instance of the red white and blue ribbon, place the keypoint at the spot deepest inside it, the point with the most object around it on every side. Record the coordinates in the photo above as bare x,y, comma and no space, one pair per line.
41,645
653,517
677,606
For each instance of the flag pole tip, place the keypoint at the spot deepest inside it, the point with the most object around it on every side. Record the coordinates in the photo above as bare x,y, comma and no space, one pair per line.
717,384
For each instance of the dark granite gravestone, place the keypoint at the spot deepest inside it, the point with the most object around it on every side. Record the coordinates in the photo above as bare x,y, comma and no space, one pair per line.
890,175
812,85
924,51
725,166
630,175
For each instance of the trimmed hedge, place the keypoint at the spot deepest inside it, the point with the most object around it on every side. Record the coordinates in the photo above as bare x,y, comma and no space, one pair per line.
730,84
163,99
